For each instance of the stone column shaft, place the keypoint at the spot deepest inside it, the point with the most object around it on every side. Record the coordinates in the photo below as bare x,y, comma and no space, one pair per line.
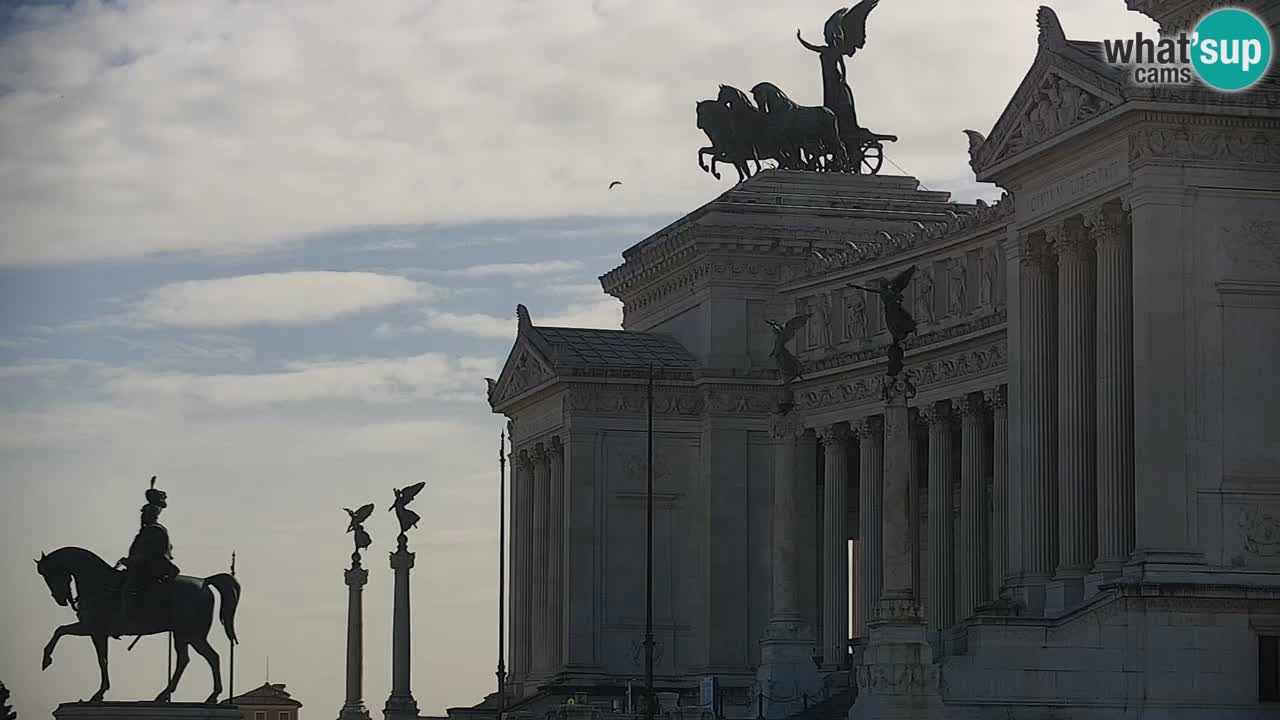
899,599
538,574
1076,429
870,499
521,577
1039,416
999,537
356,578
940,604
785,594
1115,503
971,564
835,555
400,704
556,550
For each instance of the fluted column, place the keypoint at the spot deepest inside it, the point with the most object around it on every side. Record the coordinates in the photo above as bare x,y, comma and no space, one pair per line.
998,539
538,575
786,431
899,594
521,549
870,432
1076,397
971,563
555,560
1108,229
1039,416
940,603
835,553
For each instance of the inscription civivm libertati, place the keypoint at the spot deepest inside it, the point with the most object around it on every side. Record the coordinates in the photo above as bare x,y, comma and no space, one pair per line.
1044,199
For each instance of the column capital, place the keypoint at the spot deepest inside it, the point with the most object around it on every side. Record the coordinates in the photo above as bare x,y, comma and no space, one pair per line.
522,459
936,414
868,427
786,427
1038,248
835,434
1074,241
539,453
1105,224
555,449
997,398
970,405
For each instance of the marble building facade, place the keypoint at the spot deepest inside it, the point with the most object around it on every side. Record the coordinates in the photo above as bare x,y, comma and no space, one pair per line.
1094,463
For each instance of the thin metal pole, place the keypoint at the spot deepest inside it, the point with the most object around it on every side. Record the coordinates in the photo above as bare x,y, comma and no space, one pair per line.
169,678
502,571
648,571
231,673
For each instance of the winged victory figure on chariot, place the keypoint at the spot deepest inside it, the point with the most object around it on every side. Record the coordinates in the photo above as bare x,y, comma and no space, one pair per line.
796,137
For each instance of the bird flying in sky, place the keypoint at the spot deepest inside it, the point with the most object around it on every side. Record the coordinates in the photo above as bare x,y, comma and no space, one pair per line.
614,184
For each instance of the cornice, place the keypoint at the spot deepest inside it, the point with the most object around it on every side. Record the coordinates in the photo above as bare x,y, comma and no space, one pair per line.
914,343
1250,143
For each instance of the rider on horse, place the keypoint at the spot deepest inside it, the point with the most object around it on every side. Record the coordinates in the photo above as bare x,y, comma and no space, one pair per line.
150,557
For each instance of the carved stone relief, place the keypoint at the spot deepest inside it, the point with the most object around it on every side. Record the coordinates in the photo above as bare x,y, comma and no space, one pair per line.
957,288
855,314
1058,105
924,294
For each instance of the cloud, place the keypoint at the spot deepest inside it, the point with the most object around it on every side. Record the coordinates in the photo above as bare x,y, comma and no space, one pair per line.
524,269
154,126
367,380
289,298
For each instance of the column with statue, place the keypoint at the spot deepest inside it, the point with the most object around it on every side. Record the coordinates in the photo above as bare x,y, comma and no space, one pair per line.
356,577
400,703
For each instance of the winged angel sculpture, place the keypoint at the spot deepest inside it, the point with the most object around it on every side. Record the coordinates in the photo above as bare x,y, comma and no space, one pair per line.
788,364
408,519
358,517
896,319
846,34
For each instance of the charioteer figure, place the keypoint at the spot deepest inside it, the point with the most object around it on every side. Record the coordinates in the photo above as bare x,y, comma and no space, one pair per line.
150,560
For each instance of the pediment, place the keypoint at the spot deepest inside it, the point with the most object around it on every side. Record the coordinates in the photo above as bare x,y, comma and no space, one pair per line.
1066,87
526,368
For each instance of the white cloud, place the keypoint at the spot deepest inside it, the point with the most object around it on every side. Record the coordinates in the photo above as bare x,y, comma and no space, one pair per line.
473,324
525,269
372,380
290,298
605,314
223,126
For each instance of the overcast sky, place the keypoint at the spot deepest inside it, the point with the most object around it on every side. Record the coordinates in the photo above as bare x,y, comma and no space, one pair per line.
267,251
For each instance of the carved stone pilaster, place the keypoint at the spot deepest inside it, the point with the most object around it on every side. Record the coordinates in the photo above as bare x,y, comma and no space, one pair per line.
870,433
555,557
835,551
940,607
538,575
999,537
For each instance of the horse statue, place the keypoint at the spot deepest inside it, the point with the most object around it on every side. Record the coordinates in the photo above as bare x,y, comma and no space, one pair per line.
727,145
811,131
183,606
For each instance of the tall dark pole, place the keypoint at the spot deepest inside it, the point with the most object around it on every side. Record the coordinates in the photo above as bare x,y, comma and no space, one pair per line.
231,672
648,570
502,561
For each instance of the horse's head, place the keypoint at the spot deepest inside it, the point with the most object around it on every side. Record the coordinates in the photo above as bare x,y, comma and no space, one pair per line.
709,111
733,97
57,578
770,97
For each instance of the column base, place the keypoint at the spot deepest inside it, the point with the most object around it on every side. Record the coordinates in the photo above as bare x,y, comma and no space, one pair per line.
400,707
1165,566
896,677
1063,593
1030,594
787,672
354,712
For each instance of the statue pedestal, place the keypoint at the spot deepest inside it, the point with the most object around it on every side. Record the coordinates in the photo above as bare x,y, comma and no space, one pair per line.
146,711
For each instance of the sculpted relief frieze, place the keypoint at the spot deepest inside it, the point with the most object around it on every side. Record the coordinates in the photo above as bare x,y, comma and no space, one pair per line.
1237,145
527,371
631,400
871,354
980,360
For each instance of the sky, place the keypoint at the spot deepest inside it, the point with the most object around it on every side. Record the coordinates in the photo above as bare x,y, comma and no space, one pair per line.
268,251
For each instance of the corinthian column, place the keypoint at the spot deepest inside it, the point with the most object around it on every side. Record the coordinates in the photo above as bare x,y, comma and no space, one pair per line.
999,537
786,665
400,703
940,601
870,522
555,559
521,577
538,576
1076,428
971,573
835,528
1115,504
356,577
1038,332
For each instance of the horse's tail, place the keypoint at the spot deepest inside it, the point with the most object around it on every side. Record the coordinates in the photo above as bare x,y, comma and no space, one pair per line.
229,589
